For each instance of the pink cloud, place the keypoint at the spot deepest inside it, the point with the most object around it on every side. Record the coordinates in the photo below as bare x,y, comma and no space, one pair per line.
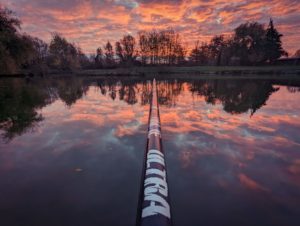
250,183
91,23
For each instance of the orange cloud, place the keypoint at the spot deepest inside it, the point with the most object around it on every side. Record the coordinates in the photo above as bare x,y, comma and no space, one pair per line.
250,183
295,167
91,23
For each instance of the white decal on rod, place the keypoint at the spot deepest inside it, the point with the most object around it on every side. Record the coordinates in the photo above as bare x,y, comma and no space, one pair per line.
156,188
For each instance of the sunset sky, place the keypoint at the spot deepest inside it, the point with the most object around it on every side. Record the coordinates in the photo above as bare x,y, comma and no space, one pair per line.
90,23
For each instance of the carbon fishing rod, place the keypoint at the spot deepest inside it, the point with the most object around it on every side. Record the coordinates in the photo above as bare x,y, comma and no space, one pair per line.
154,205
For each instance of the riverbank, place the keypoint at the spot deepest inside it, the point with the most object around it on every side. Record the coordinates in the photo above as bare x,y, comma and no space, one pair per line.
177,72
196,71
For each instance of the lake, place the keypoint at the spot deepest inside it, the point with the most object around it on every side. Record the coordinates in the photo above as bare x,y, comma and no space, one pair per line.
72,150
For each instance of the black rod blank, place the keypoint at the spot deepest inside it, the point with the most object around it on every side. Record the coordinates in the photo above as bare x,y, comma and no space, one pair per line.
154,203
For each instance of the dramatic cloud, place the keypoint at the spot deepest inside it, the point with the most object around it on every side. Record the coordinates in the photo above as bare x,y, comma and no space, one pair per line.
90,23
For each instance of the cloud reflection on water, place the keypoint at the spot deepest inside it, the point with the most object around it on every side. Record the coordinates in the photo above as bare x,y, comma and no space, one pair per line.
230,149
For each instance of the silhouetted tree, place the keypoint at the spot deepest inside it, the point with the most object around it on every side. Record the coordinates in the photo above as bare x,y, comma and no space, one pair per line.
249,42
8,22
297,53
214,53
99,59
40,51
63,55
216,47
84,60
200,54
126,50
144,47
16,49
273,44
109,55
119,52
37,55
161,47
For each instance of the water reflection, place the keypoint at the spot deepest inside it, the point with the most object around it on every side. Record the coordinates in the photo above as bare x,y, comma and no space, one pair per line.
19,103
236,96
293,89
76,146
69,90
21,100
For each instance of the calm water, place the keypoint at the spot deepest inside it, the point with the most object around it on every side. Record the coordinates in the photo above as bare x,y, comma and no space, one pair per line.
71,151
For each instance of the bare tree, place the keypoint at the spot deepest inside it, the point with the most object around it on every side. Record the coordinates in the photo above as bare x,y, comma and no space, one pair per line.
99,58
64,55
161,47
297,53
109,55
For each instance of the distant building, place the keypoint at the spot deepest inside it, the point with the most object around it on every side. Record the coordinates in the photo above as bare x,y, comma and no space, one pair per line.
288,61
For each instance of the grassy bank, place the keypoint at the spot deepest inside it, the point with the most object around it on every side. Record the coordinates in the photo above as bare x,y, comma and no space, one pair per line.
181,72
196,70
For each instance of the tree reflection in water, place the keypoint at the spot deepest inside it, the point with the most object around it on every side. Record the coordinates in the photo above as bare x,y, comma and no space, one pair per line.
20,101
237,96
293,89
133,91
71,90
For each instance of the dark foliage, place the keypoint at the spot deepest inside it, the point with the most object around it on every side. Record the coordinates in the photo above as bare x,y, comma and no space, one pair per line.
273,44
251,44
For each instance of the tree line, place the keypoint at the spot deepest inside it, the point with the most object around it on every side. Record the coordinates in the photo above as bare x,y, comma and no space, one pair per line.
250,44
22,112
152,48
19,51
21,101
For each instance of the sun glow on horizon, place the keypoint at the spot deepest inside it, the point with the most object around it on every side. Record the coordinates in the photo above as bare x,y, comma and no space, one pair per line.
91,23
